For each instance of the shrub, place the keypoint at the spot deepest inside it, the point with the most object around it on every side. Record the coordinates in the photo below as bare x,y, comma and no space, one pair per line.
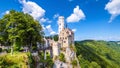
62,57
74,62
72,47
18,60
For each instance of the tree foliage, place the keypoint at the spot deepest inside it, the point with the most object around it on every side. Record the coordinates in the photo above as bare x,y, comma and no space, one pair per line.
62,57
74,62
98,54
55,37
19,29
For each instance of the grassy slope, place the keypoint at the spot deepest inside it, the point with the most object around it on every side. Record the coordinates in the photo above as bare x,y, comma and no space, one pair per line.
97,53
17,60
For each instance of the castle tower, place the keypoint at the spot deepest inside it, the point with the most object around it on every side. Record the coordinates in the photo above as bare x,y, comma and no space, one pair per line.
60,23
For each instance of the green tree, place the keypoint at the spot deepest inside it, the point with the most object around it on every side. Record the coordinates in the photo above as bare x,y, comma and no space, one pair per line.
98,54
55,37
94,65
17,28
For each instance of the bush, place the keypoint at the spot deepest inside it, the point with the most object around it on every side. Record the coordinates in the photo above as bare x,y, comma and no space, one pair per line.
62,57
74,62
18,60
49,62
8,50
72,47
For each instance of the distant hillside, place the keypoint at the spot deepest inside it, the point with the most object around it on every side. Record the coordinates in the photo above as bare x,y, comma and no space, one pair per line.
98,54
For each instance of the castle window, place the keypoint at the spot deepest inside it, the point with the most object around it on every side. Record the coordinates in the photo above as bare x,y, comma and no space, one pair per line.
64,41
67,32
60,38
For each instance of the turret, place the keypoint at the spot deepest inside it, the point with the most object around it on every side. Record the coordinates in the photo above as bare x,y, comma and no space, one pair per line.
61,23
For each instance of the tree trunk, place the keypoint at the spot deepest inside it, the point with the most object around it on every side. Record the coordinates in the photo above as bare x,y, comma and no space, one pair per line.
12,50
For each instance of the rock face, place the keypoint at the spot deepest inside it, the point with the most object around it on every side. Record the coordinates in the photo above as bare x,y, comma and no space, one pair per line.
69,55
59,64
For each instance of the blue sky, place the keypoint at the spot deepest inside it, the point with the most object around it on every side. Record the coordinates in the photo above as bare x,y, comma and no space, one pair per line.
90,19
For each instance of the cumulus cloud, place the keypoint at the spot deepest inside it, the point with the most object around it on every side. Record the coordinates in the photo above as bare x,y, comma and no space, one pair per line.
76,16
74,30
33,9
56,16
50,30
113,7
45,20
36,11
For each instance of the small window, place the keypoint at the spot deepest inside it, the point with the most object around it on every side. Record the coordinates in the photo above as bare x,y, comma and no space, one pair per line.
64,41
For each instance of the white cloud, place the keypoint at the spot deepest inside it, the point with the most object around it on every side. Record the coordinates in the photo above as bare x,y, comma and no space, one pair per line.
113,7
7,12
49,21
34,10
56,16
45,20
74,30
76,16
43,27
50,30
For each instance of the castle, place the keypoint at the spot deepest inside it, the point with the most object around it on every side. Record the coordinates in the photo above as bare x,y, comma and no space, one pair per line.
65,37
64,44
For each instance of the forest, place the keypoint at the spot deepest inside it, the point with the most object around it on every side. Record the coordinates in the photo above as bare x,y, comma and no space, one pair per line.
98,54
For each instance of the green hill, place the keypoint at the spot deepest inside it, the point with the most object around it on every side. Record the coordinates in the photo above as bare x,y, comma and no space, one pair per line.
98,54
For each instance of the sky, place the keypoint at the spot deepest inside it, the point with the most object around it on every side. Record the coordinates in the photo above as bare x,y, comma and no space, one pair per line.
89,19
